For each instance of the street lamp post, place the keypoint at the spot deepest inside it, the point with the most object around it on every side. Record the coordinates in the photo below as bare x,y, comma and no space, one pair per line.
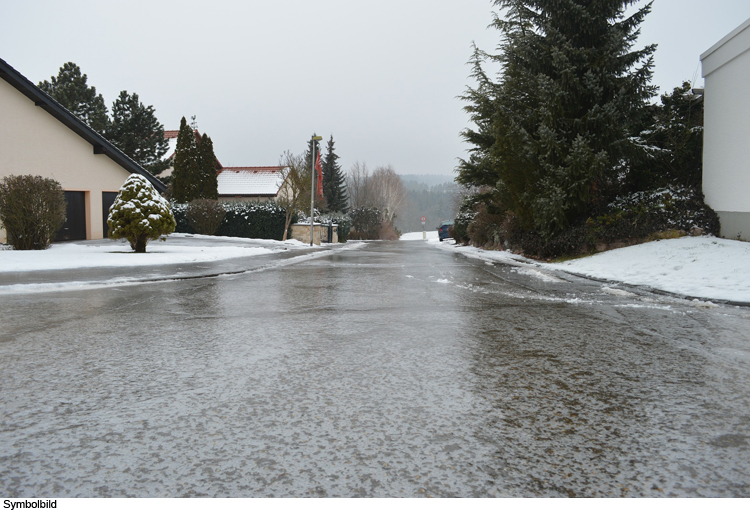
312,188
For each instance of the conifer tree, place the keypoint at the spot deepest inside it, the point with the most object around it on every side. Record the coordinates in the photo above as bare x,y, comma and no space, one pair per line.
139,214
307,171
184,175
207,187
673,141
136,131
551,137
334,181
70,89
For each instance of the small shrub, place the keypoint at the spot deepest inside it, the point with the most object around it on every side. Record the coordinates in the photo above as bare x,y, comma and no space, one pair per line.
205,215
32,210
387,232
486,229
139,214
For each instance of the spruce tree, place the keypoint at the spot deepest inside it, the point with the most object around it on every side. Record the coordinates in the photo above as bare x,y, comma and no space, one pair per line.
334,181
70,89
186,166
136,131
307,171
551,137
207,187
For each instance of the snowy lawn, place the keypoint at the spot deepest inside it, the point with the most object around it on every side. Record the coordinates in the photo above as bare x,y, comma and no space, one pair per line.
179,248
432,235
703,267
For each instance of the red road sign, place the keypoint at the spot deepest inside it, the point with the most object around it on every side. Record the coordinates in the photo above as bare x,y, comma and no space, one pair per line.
424,219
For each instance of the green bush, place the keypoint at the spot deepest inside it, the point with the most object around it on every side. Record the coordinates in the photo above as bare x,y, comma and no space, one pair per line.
139,214
32,210
634,218
205,215
253,220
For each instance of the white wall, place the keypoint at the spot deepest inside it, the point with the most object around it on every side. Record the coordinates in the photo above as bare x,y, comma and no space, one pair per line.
34,142
726,152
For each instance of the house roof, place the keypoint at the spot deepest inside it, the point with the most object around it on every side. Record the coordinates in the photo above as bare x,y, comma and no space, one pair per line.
58,111
251,181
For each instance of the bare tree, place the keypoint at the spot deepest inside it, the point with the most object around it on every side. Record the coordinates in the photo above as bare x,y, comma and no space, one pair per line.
357,179
389,191
294,190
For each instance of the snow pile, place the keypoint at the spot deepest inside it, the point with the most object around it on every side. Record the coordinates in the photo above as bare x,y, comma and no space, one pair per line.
704,267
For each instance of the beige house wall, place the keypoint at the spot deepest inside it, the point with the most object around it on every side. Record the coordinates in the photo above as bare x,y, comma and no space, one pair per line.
34,142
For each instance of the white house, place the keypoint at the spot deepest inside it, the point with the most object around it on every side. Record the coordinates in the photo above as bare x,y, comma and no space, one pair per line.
38,136
726,146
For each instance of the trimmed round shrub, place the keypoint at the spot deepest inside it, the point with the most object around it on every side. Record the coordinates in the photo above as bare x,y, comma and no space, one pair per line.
139,214
32,210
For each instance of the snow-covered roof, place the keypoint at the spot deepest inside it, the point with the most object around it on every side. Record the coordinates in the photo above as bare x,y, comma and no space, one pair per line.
250,181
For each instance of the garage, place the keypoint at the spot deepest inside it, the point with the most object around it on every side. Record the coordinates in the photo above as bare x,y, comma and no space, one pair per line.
75,221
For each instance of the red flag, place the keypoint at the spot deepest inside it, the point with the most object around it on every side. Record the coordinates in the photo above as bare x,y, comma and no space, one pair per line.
319,169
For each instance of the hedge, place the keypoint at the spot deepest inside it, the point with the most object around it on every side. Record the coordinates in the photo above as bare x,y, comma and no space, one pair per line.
243,219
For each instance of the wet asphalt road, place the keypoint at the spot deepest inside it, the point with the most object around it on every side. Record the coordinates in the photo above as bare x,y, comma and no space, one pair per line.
394,369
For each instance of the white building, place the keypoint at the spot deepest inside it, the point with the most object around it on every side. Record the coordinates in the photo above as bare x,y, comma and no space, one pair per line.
726,146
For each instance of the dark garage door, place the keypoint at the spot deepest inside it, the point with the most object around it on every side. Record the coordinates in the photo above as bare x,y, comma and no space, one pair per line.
75,224
108,199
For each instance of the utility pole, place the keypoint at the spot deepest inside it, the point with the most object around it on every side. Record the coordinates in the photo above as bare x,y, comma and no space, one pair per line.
312,188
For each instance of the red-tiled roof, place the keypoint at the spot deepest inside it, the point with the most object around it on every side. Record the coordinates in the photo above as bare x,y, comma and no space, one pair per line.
171,134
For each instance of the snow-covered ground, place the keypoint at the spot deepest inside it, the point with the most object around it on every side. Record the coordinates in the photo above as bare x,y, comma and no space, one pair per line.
106,253
701,267
432,235
704,267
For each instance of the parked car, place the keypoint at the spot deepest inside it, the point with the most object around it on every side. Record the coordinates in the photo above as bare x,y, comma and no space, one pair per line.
443,230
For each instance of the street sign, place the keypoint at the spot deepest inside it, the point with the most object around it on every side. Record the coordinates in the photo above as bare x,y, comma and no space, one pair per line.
424,219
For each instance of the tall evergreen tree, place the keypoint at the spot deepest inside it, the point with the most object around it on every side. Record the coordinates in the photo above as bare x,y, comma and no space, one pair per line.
137,132
334,181
307,171
186,165
552,135
208,186
70,89
195,166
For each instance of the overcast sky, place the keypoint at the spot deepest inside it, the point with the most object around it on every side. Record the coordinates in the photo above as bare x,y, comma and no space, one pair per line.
263,75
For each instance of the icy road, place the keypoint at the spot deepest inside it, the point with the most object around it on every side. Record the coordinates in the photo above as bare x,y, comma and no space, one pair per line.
395,369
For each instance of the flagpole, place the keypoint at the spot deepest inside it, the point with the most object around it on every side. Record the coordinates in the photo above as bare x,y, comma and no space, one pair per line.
312,187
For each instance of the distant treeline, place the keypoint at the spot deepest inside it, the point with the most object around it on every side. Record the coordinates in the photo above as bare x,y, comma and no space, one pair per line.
437,203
